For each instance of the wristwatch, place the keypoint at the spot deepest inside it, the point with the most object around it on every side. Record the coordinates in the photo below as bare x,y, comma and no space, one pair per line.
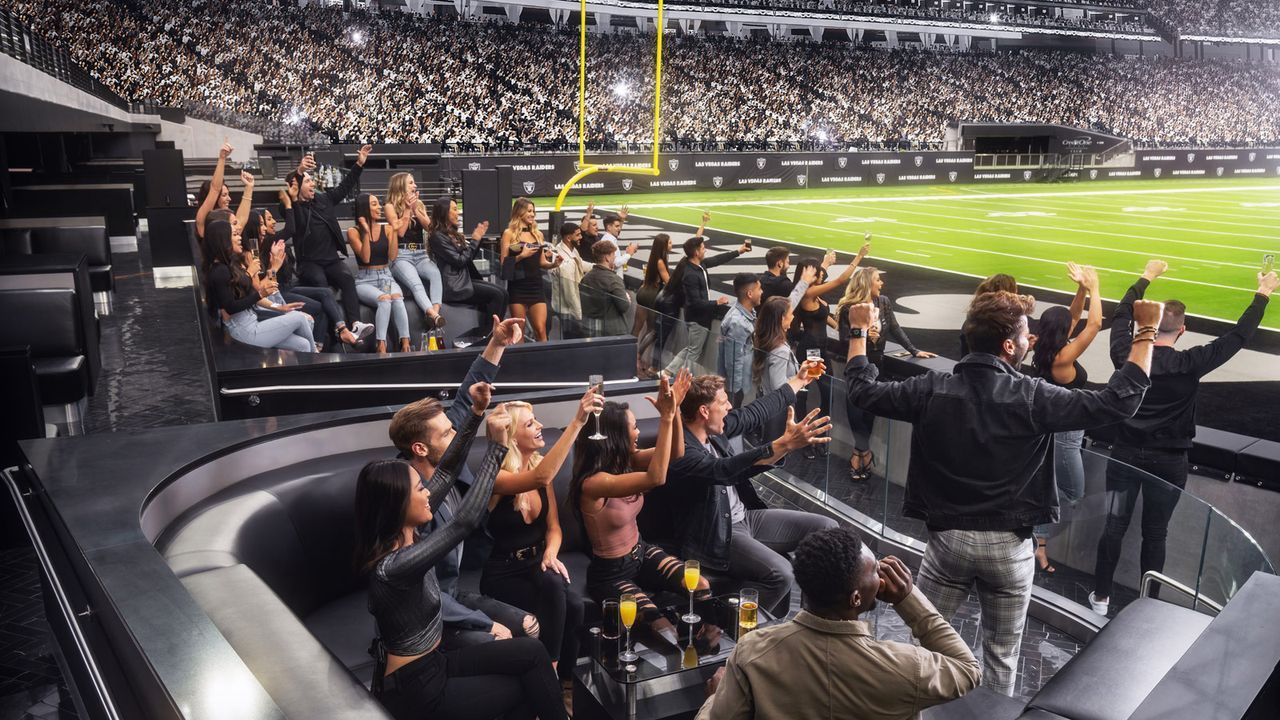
857,332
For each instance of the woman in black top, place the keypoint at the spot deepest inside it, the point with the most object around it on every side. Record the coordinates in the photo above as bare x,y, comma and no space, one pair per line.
1057,359
524,521
524,256
234,291
374,243
865,287
512,678
455,254
649,326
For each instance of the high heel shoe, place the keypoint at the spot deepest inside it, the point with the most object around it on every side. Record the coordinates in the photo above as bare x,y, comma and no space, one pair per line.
862,471
1042,556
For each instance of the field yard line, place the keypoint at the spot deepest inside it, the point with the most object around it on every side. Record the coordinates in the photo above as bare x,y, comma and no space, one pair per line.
1134,274
1142,253
941,198
1082,206
979,250
1147,238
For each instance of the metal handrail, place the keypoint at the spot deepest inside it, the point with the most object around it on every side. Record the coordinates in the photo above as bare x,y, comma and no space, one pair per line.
231,392
64,604
1153,576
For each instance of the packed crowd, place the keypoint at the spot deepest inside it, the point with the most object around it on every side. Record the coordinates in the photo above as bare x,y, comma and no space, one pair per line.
398,77
1221,18
659,513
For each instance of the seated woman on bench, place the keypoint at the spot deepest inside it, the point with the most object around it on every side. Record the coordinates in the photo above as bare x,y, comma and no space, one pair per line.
610,478
523,567
512,679
233,292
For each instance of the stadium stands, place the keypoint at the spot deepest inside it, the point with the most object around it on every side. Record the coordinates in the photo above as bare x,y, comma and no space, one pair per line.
178,53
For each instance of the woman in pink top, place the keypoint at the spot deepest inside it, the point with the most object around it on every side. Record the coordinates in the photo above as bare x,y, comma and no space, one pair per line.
610,478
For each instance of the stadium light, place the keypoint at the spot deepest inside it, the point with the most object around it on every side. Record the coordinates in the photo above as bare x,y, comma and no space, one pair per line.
995,18
622,89
357,37
822,135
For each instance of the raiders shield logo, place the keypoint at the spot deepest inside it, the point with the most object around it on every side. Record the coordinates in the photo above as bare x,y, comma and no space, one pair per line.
1252,155
951,176
842,161
760,163
1191,157
528,187
1217,171
1093,174
717,181
674,164
473,166
1157,172
802,179
576,166
879,178
919,160
627,183
1026,175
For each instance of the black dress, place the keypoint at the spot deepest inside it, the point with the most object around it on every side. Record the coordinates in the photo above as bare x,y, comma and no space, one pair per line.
524,278
812,334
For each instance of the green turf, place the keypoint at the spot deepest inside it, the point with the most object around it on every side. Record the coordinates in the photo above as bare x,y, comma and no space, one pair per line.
1212,233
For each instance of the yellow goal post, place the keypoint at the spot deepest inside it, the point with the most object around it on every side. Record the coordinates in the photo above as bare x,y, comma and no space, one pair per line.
584,168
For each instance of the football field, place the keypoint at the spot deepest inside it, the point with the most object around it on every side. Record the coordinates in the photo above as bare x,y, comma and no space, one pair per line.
1212,233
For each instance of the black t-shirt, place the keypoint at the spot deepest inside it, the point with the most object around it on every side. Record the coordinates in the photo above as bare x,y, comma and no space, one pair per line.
774,286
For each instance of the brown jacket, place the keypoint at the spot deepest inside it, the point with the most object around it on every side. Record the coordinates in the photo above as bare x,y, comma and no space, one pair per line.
812,667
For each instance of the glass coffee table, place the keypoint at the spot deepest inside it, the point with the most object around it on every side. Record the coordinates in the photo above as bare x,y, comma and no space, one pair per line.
668,681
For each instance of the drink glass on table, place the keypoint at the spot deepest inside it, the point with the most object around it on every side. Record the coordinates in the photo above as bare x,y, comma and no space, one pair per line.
692,571
610,629
597,382
814,355
748,607
627,613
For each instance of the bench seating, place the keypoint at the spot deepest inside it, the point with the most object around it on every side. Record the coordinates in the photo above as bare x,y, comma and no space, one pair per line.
48,320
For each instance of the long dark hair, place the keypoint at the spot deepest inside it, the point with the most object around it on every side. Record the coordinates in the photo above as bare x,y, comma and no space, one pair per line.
440,219
1052,334
364,209
382,497
675,285
217,244
810,262
768,334
661,249
611,455
251,237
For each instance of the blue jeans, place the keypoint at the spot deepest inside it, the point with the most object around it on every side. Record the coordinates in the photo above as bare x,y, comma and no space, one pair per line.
373,284
1068,470
288,331
411,269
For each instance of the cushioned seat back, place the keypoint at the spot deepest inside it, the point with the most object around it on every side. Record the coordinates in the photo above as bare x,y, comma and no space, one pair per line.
48,320
15,241
90,241
295,528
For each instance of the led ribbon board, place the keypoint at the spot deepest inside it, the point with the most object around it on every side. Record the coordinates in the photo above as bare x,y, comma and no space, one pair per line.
585,168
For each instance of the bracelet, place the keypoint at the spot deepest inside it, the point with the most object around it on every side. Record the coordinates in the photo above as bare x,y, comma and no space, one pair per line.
1150,340
1148,328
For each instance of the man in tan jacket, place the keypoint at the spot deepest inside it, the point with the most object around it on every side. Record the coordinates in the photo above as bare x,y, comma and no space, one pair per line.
828,664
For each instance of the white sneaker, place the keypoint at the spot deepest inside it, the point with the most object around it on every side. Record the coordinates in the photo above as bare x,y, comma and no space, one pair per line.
361,330
1099,606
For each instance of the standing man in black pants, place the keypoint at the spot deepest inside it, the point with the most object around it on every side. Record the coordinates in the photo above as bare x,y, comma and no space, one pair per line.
318,239
1155,441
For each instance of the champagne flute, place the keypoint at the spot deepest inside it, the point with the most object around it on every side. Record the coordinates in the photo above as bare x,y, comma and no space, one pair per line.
627,613
748,608
692,570
597,382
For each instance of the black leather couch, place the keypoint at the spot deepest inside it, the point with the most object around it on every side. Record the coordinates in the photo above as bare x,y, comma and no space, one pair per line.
49,321
270,560
91,241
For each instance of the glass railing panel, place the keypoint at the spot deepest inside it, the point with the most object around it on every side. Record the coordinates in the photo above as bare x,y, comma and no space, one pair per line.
1231,556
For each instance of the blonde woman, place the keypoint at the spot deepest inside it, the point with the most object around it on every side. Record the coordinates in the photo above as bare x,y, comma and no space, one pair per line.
524,256
413,268
523,568
865,287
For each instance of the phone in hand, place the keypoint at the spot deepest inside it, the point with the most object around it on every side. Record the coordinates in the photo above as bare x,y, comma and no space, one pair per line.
1268,263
